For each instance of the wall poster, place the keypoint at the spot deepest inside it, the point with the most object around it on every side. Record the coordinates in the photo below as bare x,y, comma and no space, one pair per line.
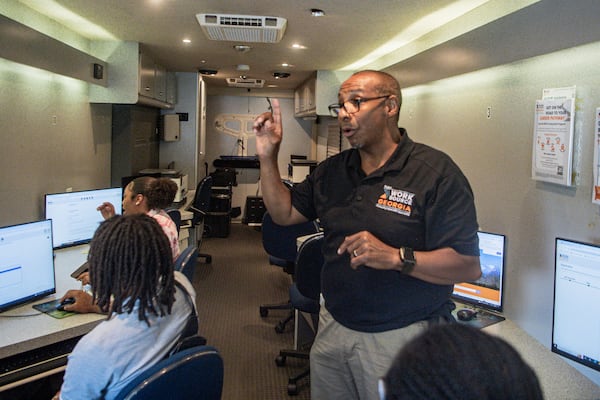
596,167
553,136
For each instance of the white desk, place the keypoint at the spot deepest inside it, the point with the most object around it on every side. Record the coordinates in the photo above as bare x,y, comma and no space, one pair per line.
558,379
21,334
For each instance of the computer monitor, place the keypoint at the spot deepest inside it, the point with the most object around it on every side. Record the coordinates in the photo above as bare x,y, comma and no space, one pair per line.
486,292
576,316
75,216
26,263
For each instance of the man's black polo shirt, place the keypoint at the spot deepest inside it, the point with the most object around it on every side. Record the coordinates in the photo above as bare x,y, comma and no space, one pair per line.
419,199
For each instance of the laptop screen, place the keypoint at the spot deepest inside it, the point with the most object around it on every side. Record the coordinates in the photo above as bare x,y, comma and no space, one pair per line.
26,263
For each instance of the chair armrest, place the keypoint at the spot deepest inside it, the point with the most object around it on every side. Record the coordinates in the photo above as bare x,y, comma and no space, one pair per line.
197,210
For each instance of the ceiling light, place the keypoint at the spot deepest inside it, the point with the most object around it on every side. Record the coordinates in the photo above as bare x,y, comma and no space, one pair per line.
206,71
186,41
281,75
298,46
242,48
315,12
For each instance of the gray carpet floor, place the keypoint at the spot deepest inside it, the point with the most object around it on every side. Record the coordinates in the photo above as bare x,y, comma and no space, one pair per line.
229,293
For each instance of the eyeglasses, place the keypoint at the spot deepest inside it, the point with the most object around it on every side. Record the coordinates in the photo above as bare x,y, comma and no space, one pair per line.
351,106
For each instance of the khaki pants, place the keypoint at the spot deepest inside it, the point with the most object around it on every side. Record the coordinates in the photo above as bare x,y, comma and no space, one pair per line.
347,364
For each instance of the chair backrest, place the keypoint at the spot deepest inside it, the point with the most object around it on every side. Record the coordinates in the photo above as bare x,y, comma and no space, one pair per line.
194,373
309,263
186,262
175,215
201,204
280,241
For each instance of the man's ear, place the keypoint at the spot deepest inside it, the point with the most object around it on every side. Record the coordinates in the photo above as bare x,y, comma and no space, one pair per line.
394,105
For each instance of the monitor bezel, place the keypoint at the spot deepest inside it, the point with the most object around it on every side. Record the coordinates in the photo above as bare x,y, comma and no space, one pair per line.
553,348
35,296
480,304
118,210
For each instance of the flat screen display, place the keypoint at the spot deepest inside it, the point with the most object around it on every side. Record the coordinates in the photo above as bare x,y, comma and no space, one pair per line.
487,291
576,315
75,216
26,263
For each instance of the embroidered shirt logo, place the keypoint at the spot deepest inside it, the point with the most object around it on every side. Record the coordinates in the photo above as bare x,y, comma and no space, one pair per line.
395,200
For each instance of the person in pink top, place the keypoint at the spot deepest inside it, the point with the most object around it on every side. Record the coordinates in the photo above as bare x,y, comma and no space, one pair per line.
144,195
148,195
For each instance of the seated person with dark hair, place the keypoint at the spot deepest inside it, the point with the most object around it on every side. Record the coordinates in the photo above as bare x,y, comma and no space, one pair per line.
149,195
131,271
459,362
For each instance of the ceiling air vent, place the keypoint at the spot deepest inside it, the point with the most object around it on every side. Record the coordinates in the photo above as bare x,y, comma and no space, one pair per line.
245,83
242,28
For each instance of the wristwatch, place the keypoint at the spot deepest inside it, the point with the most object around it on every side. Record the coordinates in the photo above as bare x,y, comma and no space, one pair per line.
407,256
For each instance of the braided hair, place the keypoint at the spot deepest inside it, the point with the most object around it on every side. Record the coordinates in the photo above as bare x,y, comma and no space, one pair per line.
459,362
131,262
159,192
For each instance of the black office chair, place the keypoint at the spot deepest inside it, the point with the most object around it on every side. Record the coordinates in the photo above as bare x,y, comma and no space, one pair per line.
175,215
186,262
200,207
194,373
280,244
304,296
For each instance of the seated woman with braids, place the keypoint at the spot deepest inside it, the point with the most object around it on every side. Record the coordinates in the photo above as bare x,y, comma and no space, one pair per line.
146,302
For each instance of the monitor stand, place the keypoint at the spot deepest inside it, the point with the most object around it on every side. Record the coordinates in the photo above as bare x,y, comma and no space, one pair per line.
482,319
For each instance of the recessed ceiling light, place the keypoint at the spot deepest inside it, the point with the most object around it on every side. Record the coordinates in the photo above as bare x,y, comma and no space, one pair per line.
206,71
298,46
315,12
242,48
186,41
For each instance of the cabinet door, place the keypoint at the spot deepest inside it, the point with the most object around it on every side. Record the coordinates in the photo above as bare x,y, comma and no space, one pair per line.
146,86
171,88
160,83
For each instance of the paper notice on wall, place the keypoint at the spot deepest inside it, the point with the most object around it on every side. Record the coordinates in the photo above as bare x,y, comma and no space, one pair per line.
553,140
596,166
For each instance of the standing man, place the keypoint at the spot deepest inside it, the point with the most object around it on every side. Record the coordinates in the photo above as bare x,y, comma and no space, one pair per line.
400,229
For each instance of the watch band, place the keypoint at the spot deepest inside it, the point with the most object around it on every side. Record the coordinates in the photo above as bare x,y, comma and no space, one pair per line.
407,256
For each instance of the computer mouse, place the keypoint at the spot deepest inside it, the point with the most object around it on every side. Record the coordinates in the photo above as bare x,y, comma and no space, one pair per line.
465,314
68,300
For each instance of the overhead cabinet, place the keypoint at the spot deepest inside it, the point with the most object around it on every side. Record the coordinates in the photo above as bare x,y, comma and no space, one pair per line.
154,79
134,77
314,95
305,102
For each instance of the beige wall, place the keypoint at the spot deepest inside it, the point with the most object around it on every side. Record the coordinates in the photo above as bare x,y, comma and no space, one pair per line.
52,139
496,156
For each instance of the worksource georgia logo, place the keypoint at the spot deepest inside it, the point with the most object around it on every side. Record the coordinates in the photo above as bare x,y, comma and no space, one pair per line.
396,200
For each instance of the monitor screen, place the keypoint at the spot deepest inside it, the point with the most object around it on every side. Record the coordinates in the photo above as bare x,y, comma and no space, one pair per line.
26,263
576,316
75,216
486,292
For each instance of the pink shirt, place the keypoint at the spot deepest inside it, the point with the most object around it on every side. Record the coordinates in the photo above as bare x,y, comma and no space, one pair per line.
169,228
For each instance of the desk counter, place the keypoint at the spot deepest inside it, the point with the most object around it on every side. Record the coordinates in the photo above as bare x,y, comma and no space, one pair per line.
558,379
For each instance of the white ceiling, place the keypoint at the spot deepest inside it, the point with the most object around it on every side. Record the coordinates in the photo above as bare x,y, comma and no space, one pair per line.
478,34
349,30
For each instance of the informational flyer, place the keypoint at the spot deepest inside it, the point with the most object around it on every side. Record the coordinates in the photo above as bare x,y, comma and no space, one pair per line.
596,167
553,140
